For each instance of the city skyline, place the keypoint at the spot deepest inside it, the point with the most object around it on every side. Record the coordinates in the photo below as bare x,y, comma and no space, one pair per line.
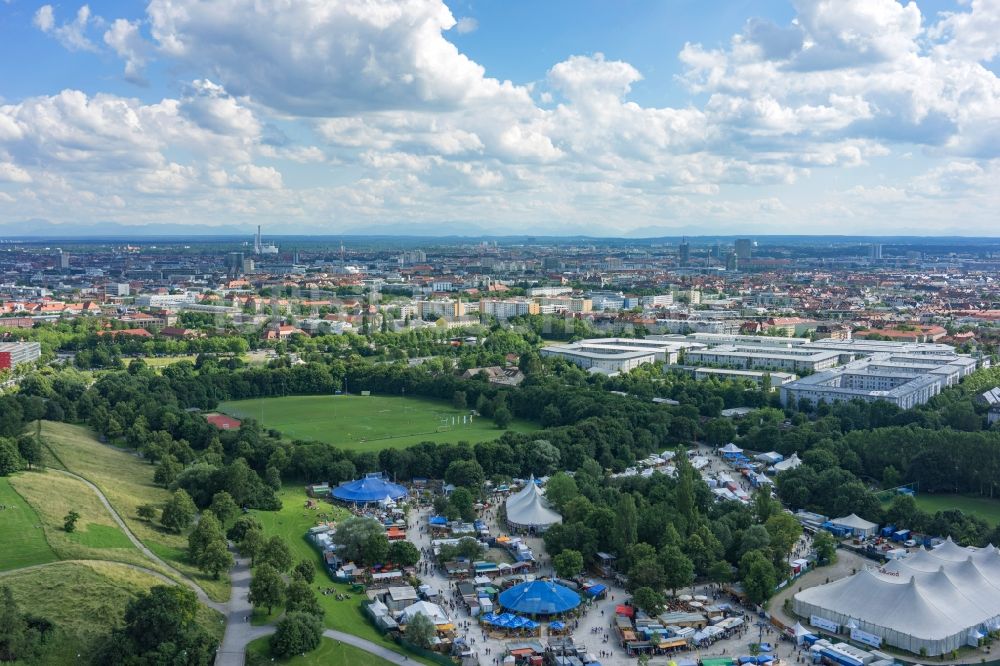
860,117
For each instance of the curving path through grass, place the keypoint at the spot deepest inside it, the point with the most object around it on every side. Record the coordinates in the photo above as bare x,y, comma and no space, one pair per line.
202,596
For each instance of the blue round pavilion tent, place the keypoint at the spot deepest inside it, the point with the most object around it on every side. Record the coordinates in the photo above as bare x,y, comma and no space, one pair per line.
370,489
539,597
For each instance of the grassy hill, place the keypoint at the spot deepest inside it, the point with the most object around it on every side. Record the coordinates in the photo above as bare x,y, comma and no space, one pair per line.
127,481
85,600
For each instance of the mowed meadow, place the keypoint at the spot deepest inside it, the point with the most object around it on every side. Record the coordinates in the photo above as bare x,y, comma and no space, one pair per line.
369,423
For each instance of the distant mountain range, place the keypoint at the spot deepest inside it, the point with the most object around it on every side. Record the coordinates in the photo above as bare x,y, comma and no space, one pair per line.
39,229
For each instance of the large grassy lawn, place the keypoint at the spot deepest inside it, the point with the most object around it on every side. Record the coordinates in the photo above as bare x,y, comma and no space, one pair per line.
22,540
368,423
127,482
984,507
329,653
86,600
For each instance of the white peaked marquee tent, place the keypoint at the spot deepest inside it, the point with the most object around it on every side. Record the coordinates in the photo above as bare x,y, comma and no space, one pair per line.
938,600
529,509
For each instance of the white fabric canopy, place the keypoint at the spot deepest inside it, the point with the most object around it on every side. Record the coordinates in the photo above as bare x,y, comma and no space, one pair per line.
930,599
529,508
791,462
857,524
433,611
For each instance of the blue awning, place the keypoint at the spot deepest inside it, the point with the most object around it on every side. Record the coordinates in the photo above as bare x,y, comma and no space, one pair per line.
595,590
539,598
372,488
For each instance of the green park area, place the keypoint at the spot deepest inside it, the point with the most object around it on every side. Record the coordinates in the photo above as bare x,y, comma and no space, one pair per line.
84,600
127,481
21,532
369,423
984,507
96,536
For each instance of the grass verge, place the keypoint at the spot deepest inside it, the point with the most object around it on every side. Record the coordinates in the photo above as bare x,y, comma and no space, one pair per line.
329,653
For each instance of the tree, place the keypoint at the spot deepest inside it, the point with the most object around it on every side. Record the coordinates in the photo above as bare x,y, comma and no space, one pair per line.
161,628
296,633
465,473
207,531
69,521
10,457
352,535
147,512
626,528
306,570
272,477
678,569
826,547
648,600
215,558
785,531
299,598
542,457
277,554
252,544
30,449
420,630
404,553
560,489
224,507
764,507
21,636
242,524
375,549
266,588
759,576
459,401
178,512
502,417
568,563
719,431
167,471
719,571
462,503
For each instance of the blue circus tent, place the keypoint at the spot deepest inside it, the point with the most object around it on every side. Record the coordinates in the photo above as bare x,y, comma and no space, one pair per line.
539,598
370,489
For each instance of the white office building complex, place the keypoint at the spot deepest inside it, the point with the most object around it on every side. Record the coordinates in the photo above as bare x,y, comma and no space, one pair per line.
166,300
777,379
748,357
905,380
614,355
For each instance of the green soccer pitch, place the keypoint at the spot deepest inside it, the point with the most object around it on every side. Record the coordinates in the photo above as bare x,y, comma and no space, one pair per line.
368,423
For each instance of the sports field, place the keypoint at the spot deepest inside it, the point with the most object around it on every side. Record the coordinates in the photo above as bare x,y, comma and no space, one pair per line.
368,423
984,507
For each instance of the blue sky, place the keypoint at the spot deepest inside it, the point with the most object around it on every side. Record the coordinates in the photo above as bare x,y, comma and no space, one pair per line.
600,117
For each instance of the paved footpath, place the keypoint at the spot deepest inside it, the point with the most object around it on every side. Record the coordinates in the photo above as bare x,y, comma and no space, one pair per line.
239,631
369,647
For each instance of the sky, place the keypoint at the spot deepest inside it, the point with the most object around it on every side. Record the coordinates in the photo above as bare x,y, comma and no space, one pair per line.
564,117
